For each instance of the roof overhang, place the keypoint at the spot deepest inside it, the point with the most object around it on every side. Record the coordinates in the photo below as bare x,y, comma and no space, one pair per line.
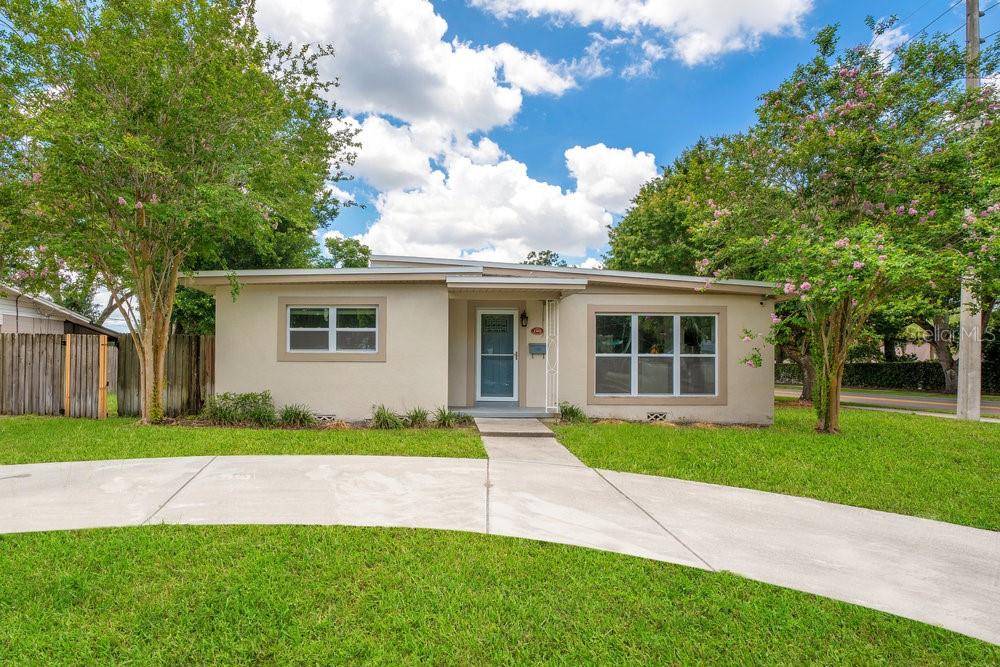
54,310
603,277
208,280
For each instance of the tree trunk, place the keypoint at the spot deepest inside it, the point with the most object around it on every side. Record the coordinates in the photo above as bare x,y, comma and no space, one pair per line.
889,348
805,364
808,379
832,336
941,342
156,301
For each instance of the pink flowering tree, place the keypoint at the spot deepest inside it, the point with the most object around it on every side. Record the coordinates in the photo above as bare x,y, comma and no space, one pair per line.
851,188
153,132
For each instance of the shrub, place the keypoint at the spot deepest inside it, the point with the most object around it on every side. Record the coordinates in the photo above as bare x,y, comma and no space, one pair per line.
907,375
232,408
297,414
445,418
383,417
416,418
572,413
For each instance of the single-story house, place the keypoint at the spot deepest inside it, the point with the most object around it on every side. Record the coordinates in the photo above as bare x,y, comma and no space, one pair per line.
30,314
495,338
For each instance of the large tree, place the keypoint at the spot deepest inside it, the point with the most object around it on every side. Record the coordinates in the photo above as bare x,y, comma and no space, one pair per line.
851,188
158,131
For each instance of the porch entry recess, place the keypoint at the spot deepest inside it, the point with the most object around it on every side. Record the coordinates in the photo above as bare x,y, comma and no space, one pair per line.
496,355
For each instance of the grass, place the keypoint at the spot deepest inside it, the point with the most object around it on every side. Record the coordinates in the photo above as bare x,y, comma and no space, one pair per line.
922,466
332,595
37,439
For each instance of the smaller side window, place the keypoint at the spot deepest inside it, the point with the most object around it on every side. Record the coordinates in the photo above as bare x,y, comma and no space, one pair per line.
309,329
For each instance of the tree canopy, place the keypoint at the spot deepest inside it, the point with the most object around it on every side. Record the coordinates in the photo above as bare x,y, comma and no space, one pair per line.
154,133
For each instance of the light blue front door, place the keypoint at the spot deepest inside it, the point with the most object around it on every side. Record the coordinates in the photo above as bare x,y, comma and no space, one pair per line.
497,346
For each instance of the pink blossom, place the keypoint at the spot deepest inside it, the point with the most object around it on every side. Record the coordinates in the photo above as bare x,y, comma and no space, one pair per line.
841,243
42,248
900,209
806,286
138,205
121,201
833,289
775,319
858,264
912,211
832,132
749,363
882,258
36,177
747,339
789,288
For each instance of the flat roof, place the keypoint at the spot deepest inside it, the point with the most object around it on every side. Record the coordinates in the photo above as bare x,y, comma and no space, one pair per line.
467,273
567,269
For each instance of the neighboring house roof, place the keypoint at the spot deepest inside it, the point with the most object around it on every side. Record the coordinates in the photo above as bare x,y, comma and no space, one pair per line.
474,273
54,310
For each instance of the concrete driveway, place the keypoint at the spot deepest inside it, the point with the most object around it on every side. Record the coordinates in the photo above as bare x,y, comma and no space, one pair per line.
934,572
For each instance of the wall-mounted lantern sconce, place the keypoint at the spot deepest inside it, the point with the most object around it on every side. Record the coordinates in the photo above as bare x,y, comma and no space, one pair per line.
524,318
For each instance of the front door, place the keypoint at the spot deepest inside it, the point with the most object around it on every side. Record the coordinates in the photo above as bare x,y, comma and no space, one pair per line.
496,352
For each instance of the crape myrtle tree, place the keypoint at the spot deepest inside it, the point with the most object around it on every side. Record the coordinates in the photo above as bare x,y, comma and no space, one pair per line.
656,235
851,188
155,130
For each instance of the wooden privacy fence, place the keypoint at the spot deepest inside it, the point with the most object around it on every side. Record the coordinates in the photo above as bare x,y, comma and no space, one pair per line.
52,374
190,374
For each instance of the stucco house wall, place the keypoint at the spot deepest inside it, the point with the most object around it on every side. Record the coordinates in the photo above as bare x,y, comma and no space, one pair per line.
414,372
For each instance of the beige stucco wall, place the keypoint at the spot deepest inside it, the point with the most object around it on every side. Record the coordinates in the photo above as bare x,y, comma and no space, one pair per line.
414,374
749,391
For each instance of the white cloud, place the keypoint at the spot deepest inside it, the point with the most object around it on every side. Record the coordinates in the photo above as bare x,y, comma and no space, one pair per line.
530,71
392,59
887,42
696,30
390,157
423,106
652,53
592,263
497,211
610,177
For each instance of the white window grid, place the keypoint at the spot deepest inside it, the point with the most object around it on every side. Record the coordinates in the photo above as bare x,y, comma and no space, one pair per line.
331,330
675,354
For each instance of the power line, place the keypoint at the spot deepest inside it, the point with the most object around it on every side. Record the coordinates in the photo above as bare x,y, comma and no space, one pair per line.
932,22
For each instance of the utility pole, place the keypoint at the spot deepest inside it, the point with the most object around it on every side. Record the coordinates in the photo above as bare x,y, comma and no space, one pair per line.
970,342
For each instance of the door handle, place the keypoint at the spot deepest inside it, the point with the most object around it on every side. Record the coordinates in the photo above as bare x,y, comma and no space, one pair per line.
515,355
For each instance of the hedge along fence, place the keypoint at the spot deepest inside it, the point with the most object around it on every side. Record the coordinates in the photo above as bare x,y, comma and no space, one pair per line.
912,375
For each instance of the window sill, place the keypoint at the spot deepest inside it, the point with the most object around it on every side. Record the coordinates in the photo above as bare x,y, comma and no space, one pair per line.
331,356
655,400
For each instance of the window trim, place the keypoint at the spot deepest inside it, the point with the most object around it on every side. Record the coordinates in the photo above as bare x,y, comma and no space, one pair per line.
634,398
285,305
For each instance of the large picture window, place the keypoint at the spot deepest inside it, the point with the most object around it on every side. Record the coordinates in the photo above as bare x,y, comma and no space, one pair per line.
333,329
653,354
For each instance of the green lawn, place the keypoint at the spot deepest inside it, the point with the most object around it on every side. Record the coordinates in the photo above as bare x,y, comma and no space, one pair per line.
254,595
37,439
923,466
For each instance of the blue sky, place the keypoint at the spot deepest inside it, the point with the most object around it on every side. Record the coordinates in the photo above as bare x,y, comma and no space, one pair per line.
491,127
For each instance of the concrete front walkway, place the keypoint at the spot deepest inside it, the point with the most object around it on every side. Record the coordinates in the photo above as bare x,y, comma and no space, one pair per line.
532,487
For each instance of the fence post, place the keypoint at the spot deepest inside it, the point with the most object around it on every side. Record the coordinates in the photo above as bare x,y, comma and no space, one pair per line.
66,376
102,378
